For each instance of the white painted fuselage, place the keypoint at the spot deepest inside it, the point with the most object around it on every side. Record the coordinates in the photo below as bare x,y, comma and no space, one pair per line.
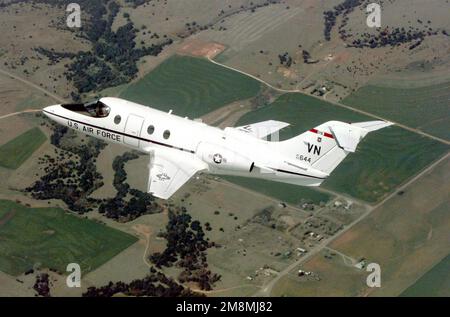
202,147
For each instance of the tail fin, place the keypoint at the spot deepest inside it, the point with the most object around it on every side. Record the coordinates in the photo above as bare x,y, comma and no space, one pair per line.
326,145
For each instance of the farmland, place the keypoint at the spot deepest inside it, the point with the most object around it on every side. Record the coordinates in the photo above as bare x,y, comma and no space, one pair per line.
385,158
18,150
51,238
426,108
436,282
411,231
406,236
288,193
190,87
333,275
378,206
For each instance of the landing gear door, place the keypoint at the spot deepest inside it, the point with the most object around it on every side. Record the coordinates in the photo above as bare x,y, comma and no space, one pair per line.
133,130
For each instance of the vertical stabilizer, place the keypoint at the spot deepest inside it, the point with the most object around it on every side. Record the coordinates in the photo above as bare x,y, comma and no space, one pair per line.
326,145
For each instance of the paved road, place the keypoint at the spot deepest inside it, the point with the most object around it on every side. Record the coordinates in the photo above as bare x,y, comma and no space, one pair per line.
267,289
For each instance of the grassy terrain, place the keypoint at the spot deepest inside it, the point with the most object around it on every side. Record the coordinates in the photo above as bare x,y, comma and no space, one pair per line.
190,86
382,162
407,236
385,158
336,279
52,238
32,101
284,192
18,150
425,108
435,282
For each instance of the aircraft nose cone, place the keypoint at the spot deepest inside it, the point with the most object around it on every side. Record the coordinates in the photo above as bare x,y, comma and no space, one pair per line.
50,110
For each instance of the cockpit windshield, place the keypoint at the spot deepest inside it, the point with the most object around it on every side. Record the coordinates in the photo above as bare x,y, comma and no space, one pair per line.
96,109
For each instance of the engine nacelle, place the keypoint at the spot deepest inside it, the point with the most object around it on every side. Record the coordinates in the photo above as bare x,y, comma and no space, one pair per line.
222,158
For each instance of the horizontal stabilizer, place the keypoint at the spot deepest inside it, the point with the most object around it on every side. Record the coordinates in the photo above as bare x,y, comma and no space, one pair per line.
262,129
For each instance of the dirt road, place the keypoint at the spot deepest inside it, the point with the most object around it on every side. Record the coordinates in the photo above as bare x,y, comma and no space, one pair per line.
33,85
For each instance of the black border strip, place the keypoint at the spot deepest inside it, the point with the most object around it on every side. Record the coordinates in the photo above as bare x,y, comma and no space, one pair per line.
121,133
294,173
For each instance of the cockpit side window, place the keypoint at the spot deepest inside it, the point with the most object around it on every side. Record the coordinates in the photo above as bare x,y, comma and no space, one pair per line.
96,109
99,110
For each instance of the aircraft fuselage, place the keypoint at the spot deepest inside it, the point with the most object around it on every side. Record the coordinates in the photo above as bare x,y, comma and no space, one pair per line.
226,152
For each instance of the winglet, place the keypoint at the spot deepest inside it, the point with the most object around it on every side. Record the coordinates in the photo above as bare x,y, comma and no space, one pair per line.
373,125
349,135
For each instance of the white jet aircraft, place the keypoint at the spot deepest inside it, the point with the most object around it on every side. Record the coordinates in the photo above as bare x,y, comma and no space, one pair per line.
179,147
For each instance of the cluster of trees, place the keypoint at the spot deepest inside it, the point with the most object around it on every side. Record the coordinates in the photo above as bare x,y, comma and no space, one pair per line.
155,284
54,57
136,3
384,38
341,9
186,248
4,4
72,176
391,38
285,59
58,132
112,60
67,178
251,6
41,286
307,58
140,203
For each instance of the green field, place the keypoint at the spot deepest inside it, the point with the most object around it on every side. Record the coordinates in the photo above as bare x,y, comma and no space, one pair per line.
18,150
385,158
284,192
436,282
425,108
190,87
52,238
32,101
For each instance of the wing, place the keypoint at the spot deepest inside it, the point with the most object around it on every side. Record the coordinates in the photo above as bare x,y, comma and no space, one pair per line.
263,129
170,170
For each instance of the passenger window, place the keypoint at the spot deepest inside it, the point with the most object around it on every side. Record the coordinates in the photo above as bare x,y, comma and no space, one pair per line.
150,129
117,119
166,134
